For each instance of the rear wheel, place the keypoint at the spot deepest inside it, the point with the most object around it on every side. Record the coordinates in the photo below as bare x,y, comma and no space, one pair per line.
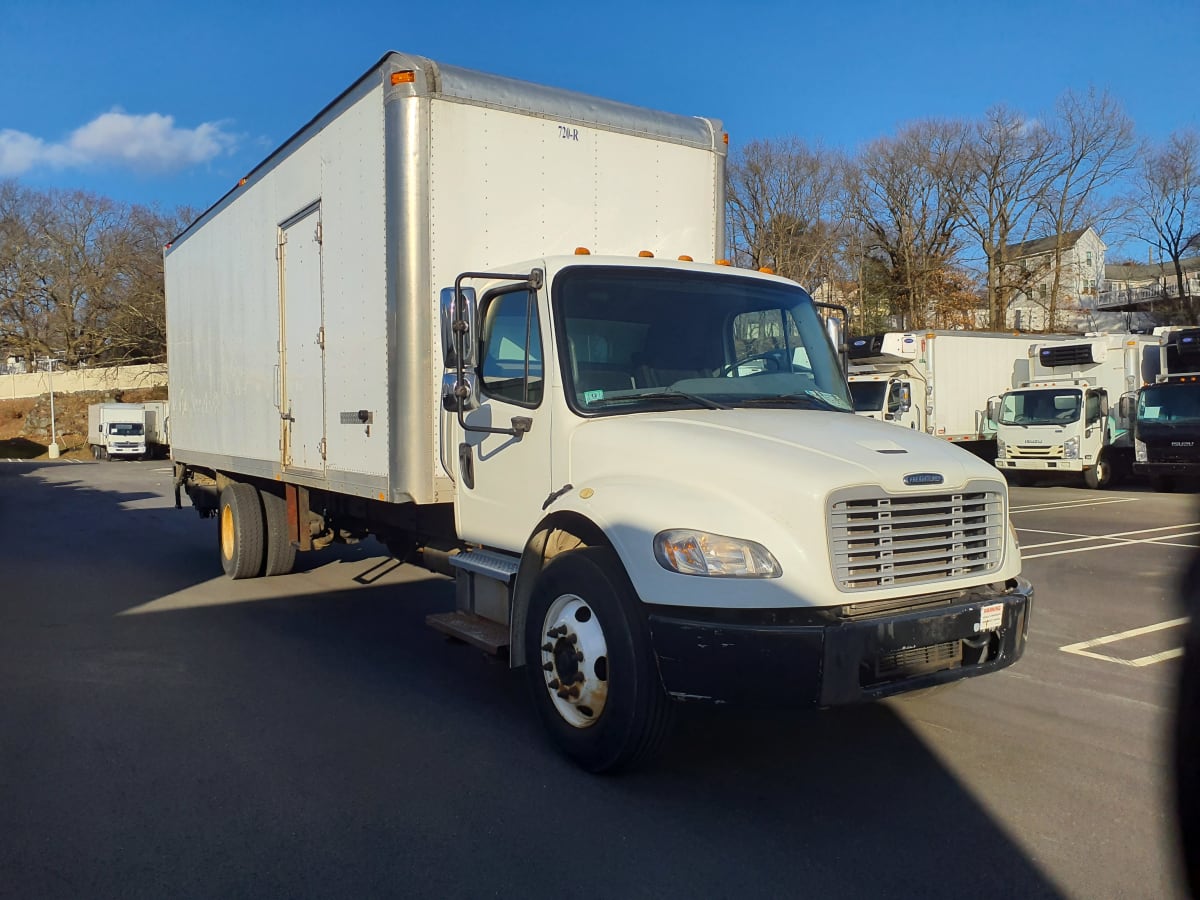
240,531
590,663
280,551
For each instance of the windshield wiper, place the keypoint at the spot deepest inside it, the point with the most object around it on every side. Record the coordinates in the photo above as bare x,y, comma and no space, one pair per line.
808,398
669,394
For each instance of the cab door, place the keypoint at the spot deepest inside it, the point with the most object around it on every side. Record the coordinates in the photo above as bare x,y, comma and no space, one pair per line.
504,478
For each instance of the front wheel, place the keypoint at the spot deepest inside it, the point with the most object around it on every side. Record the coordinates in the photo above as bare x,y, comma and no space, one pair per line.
590,663
1099,476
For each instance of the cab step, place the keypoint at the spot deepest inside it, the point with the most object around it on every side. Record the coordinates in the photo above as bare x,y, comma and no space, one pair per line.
487,635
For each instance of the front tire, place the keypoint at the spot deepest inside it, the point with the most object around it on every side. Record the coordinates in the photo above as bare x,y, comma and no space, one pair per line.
240,532
590,663
1099,476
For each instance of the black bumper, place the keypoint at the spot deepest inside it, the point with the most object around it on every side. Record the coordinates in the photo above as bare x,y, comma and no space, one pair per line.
800,659
1173,467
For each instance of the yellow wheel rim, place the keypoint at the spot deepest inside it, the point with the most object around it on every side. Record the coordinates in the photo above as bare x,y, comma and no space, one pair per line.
227,531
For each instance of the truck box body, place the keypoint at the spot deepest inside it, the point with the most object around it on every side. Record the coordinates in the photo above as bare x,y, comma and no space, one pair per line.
326,262
633,459
951,375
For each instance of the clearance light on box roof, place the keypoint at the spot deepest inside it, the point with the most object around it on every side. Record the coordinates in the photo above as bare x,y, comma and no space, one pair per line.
408,76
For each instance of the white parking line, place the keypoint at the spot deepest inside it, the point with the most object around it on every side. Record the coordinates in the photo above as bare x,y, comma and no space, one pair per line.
1069,504
1076,538
1082,648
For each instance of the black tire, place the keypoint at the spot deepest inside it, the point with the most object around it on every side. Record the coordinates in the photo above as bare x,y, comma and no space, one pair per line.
280,551
240,532
1099,476
1164,484
619,713
1016,477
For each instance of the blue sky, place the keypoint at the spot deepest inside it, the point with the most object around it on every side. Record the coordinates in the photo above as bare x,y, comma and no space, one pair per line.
169,104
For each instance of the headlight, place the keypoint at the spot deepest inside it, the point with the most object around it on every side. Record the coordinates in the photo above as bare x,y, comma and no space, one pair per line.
1139,451
700,553
1071,449
1000,448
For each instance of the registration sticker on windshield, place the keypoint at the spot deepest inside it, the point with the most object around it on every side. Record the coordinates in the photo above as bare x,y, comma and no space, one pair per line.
991,617
592,396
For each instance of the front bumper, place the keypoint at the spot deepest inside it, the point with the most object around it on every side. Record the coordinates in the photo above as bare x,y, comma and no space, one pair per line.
816,658
1167,468
1027,464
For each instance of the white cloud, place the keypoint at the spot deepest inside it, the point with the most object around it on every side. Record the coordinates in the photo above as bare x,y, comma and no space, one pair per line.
143,143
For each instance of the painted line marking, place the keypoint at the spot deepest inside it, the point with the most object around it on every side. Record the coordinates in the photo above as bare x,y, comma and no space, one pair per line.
1162,541
1069,504
1076,537
1083,647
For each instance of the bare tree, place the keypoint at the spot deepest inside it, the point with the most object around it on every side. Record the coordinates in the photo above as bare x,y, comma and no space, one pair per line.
785,209
1167,198
904,191
24,313
1093,147
1008,165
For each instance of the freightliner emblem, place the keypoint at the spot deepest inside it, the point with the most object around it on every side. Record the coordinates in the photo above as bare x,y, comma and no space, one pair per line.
923,478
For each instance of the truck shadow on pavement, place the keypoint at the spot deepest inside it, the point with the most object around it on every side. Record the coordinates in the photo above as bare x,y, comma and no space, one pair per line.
173,733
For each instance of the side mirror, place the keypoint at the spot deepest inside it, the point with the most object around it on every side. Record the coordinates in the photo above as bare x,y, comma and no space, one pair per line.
458,328
905,398
1127,406
1103,406
993,408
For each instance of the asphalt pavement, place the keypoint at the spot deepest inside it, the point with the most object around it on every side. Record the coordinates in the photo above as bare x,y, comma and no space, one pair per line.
166,732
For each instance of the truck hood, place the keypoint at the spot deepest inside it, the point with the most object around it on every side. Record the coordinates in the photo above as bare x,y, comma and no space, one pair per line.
782,449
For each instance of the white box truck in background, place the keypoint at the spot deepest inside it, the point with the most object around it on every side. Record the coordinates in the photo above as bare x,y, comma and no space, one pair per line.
938,382
117,430
1068,416
641,468
158,428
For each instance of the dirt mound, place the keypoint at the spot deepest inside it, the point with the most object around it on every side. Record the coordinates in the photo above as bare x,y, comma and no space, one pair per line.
25,427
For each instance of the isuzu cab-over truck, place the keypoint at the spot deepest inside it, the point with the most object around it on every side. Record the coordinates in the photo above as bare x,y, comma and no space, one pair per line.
1167,413
1068,417
641,467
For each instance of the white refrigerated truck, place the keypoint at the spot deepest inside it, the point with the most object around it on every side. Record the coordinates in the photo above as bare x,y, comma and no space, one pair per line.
641,468
938,382
1068,416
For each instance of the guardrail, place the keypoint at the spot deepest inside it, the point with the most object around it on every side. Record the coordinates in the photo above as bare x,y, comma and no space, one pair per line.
1121,297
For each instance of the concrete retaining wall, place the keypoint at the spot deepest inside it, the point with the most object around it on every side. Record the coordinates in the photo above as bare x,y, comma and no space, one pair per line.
69,381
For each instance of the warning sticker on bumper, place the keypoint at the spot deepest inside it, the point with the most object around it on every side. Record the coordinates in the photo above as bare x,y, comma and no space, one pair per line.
991,617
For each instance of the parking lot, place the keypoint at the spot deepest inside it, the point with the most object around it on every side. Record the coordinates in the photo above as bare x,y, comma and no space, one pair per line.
168,732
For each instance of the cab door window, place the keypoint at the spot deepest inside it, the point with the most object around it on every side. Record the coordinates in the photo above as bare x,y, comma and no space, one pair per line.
511,366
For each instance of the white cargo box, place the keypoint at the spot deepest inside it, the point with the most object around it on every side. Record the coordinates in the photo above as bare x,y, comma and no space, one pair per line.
302,307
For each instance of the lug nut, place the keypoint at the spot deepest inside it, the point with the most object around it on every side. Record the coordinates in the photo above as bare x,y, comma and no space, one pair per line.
553,684
579,678
549,667
548,648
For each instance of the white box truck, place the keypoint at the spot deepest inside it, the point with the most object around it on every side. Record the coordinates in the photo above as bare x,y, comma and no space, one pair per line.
1068,417
117,430
938,382
158,427
640,466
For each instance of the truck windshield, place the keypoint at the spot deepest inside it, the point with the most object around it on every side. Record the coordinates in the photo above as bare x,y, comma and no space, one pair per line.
1041,407
126,429
868,395
1169,404
642,339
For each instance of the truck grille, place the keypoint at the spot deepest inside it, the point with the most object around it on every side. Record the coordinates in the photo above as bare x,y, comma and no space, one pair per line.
1030,451
920,659
885,541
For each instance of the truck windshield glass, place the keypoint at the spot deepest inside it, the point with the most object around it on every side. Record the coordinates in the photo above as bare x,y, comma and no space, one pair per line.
125,429
1169,404
1040,407
868,395
652,339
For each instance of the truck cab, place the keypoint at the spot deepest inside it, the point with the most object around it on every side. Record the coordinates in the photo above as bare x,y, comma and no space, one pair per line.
117,431
1167,413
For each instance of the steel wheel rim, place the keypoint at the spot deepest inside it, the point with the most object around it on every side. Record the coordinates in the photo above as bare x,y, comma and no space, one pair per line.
574,658
227,531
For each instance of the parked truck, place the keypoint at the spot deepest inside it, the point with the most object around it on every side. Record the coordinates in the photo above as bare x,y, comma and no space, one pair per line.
1167,412
1068,417
938,382
158,428
117,430
483,321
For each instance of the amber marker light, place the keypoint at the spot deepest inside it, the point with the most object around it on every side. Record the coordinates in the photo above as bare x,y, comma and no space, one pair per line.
408,76
645,254
766,270
582,251
724,262
686,259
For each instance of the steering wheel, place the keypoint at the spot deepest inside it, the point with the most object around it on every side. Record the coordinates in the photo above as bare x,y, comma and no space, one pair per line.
770,359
